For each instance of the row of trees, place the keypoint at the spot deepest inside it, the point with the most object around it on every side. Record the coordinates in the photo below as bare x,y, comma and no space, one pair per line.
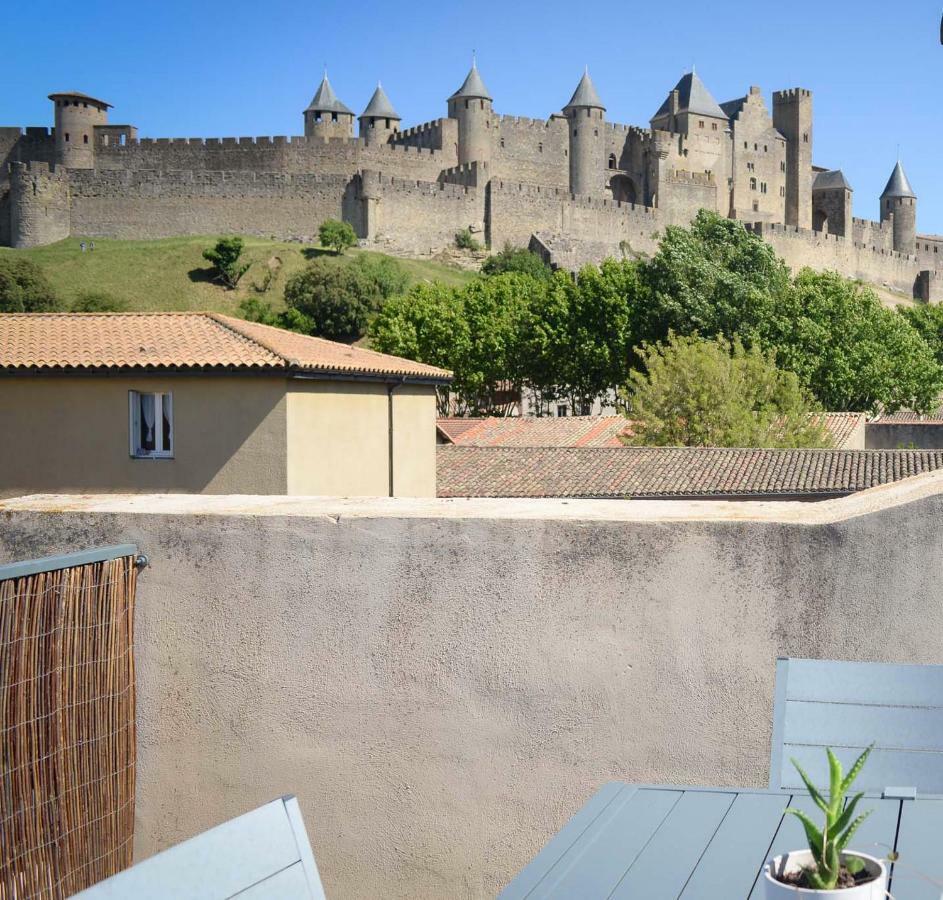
561,337
25,288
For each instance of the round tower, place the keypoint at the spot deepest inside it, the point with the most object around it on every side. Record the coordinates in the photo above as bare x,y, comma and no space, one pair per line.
470,105
76,116
326,116
586,117
379,121
899,201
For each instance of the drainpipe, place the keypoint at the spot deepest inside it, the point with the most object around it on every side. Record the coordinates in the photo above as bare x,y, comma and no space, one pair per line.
392,386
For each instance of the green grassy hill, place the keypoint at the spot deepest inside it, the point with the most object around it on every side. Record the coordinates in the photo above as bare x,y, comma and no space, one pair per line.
171,274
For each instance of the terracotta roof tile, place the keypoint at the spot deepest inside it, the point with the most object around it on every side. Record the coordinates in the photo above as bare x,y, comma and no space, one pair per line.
70,341
637,472
842,426
517,431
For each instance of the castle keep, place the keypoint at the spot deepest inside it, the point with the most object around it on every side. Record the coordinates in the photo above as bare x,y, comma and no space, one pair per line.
575,187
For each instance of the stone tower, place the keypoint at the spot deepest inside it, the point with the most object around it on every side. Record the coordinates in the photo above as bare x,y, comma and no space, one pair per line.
470,105
900,202
585,117
76,116
326,116
379,120
792,118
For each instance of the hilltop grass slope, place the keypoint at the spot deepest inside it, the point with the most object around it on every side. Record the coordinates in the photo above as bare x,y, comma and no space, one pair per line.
170,274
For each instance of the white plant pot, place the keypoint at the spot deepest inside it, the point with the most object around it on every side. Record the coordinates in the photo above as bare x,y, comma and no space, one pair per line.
802,859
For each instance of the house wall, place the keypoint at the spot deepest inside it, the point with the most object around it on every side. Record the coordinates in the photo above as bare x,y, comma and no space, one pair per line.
901,435
71,434
338,439
443,683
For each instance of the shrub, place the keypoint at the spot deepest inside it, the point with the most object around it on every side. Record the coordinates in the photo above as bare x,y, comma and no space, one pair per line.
386,273
98,301
464,240
336,236
225,259
338,301
516,259
24,287
253,309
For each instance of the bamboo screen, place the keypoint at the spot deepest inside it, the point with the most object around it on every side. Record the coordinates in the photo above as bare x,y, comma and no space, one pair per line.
67,720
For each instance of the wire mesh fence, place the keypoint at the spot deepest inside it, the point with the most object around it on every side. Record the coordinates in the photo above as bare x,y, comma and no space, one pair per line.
67,734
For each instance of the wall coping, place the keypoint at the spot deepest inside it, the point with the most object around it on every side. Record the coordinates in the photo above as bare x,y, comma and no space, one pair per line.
334,509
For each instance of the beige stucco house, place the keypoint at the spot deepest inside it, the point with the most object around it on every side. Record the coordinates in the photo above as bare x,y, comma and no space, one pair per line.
205,403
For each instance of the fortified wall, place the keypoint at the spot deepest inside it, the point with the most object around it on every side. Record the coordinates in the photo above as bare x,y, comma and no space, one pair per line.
586,186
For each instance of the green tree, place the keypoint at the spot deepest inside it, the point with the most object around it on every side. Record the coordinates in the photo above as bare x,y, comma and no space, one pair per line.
336,235
388,275
849,350
254,309
98,301
516,259
335,302
702,393
225,257
24,287
927,321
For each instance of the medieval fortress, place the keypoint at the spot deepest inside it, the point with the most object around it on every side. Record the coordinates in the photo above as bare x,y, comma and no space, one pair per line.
575,187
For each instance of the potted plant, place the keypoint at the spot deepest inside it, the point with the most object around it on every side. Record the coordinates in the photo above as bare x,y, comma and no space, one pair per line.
827,869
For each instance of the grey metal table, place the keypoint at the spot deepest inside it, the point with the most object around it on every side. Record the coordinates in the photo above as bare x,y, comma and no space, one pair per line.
650,842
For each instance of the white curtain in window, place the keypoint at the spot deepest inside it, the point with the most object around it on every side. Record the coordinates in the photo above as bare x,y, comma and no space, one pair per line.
147,417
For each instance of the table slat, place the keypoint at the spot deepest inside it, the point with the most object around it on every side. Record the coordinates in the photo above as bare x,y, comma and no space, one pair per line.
738,850
789,836
595,864
877,834
920,849
538,867
662,868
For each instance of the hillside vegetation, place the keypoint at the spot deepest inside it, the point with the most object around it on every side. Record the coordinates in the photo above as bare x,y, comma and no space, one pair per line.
171,274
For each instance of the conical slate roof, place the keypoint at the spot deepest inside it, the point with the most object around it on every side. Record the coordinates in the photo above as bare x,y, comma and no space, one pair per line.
380,106
472,86
585,94
325,100
898,185
693,97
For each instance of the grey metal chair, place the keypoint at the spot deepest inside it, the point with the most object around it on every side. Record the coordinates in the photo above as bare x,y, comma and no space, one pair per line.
262,855
849,705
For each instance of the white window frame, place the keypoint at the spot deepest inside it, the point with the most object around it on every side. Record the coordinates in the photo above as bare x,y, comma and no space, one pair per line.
162,400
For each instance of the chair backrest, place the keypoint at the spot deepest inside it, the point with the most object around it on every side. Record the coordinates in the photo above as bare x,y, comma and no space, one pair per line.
263,854
847,706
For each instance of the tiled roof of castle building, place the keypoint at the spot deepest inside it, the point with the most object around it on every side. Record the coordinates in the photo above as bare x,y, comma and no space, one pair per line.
585,94
842,426
671,472
693,97
833,178
526,431
380,106
472,86
325,100
96,341
897,184
80,96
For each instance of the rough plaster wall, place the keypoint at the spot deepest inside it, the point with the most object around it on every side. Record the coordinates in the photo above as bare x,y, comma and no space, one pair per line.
443,693
894,436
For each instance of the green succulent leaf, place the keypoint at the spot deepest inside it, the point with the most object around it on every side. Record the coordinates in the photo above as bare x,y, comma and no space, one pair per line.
835,782
843,840
814,792
812,833
841,823
854,864
856,768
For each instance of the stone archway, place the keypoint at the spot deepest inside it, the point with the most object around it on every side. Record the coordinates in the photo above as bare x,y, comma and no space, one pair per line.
819,220
623,189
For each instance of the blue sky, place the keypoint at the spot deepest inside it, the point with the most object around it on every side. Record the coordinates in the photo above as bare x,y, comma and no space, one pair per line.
186,69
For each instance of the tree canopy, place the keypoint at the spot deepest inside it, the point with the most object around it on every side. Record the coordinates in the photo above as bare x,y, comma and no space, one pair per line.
24,287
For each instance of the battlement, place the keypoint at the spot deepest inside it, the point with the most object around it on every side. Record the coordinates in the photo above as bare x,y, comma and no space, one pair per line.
392,184
682,176
470,174
791,95
34,167
524,121
767,229
540,191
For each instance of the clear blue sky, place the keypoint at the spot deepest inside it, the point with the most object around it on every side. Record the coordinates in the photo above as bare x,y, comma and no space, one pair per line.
183,68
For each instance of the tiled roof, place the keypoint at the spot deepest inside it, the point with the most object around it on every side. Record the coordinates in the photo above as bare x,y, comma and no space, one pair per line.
79,95
898,185
653,472
830,179
693,97
585,94
472,86
842,425
566,431
906,417
69,341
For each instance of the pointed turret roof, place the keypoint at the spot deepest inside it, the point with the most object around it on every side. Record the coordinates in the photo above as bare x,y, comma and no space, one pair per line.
693,97
898,185
585,94
380,106
472,86
325,100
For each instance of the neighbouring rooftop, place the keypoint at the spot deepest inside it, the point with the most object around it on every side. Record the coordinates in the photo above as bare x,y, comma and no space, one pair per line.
189,341
671,472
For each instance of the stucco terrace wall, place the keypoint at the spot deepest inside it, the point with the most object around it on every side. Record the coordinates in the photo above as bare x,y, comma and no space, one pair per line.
443,683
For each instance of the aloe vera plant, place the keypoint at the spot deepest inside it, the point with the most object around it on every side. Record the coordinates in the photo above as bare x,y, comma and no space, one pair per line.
827,844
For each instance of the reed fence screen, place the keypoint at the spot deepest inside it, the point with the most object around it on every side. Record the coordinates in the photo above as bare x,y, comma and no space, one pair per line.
67,719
